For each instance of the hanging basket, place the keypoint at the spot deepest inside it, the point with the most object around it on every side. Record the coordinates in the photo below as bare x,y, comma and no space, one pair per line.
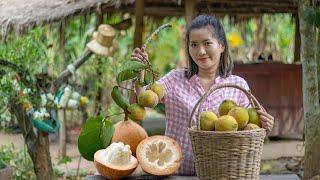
226,155
48,125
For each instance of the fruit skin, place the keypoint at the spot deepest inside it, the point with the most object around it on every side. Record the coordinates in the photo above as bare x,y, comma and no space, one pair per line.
241,115
148,98
129,133
141,149
111,171
226,123
226,106
207,120
254,117
251,127
136,112
158,89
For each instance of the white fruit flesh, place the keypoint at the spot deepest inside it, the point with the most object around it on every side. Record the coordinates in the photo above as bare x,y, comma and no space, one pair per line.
115,161
117,154
159,155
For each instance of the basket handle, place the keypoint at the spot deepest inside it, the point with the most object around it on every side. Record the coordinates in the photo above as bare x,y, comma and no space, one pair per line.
254,102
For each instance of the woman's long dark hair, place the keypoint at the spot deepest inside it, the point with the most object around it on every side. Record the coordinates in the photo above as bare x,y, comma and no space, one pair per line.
225,64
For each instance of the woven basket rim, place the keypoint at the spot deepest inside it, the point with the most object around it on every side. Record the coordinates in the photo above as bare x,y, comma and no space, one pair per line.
253,101
194,129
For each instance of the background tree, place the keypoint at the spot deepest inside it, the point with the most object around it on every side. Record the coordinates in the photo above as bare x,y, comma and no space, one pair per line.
310,89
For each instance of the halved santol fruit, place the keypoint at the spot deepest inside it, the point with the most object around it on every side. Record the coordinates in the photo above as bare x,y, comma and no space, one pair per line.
130,133
116,161
159,155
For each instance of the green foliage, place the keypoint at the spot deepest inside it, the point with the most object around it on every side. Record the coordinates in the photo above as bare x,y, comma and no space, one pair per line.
28,51
65,160
107,131
278,37
130,70
96,134
20,162
2,164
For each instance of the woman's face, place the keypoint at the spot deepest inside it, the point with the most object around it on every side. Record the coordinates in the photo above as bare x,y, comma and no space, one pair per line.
204,49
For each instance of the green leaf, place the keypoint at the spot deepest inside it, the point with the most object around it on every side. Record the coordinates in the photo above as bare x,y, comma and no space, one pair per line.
134,66
65,160
89,139
119,99
107,131
126,75
148,78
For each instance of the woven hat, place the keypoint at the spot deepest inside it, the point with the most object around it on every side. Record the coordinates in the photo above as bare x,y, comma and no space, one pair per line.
102,41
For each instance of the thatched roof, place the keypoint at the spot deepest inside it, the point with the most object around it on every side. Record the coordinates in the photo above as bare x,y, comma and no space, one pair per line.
21,14
176,7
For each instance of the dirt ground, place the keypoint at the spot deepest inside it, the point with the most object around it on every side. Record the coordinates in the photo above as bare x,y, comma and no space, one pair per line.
276,154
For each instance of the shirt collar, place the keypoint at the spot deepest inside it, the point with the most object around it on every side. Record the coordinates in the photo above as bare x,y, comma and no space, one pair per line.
195,78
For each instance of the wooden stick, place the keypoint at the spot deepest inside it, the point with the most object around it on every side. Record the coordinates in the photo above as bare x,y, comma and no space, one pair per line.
66,73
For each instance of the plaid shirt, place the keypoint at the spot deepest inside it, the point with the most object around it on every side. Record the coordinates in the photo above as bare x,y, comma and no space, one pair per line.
180,98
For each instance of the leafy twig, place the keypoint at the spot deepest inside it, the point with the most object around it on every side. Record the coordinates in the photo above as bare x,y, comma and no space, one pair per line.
155,33
145,47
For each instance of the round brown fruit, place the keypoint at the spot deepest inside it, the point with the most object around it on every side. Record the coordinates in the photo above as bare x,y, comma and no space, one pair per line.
129,133
159,155
148,98
136,112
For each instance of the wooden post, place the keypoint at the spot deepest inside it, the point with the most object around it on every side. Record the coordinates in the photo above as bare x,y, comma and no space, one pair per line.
62,42
98,98
139,11
63,131
189,8
297,41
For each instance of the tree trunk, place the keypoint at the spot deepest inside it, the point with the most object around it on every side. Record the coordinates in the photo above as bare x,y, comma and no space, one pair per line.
318,59
310,92
38,146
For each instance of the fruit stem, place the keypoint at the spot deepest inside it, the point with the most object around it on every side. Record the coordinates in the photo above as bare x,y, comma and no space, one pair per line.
126,88
126,116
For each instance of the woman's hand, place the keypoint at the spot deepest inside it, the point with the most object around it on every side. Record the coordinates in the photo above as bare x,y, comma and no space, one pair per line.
140,55
266,119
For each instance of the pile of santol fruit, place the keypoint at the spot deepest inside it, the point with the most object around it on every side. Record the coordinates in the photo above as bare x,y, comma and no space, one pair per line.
232,118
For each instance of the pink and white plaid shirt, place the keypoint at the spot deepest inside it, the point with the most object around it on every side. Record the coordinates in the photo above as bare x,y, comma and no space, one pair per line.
181,95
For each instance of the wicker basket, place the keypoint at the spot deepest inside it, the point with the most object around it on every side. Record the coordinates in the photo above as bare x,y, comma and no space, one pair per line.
226,155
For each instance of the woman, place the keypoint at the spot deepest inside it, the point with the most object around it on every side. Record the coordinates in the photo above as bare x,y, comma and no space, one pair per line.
209,64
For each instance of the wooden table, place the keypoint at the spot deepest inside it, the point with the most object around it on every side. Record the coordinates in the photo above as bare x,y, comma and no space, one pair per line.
262,177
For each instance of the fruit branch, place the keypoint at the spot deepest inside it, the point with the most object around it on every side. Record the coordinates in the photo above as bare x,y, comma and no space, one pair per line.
66,73
155,33
141,76
126,88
